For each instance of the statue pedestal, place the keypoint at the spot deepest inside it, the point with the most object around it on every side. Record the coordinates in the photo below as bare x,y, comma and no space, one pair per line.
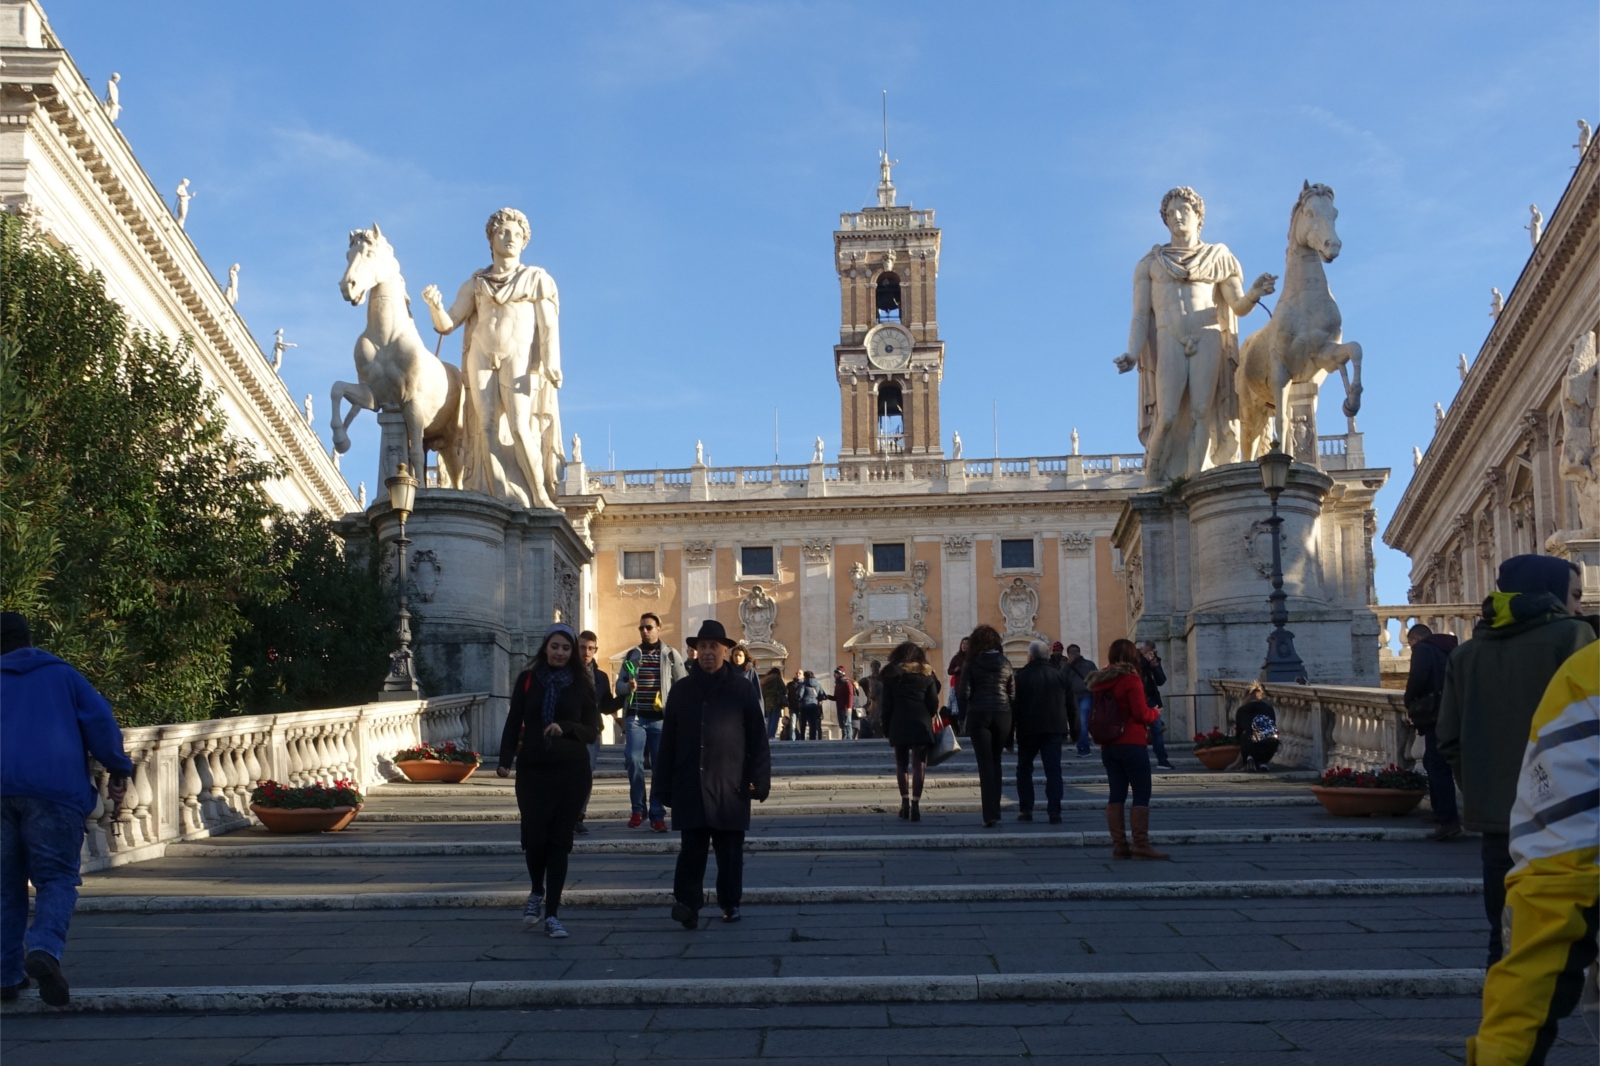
1586,553
485,580
1198,563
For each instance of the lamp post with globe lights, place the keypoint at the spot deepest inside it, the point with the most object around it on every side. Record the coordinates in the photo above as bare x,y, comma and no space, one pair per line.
401,684
1282,663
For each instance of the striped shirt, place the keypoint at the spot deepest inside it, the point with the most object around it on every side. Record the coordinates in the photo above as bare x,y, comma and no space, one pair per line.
647,683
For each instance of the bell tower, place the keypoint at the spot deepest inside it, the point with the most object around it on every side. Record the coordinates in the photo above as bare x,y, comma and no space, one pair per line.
889,359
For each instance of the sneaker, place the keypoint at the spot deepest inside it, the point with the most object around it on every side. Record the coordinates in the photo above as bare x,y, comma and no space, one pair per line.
684,916
1165,766
9,993
636,821
554,929
581,828
658,826
1025,816
1446,833
533,910
46,969
731,914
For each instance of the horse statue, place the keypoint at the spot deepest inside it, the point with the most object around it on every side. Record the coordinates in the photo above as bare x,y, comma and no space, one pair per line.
395,369
1302,344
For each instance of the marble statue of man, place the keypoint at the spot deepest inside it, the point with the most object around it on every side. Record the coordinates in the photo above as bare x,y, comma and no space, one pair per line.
232,291
577,449
1416,457
1580,447
1585,135
816,453
1461,366
1497,302
279,346
185,194
510,367
1184,340
1438,417
113,97
1535,226
955,445
1074,440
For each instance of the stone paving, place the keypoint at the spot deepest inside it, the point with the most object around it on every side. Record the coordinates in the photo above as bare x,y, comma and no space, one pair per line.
852,896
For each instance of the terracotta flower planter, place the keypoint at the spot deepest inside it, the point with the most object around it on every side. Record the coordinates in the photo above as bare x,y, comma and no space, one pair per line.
437,770
1358,802
305,819
1217,758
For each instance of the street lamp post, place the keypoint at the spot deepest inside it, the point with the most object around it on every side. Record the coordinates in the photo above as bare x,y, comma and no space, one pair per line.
1282,663
401,684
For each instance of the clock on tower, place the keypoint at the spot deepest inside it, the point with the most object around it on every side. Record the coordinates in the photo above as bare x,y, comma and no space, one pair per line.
889,359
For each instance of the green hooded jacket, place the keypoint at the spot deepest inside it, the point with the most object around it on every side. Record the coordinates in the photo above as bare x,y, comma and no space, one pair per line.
1492,686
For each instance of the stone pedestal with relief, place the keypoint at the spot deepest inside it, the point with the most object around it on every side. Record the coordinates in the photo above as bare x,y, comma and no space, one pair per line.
1197,560
485,580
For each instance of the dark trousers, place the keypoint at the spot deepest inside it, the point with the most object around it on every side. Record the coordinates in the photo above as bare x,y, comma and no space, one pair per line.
1047,746
551,799
989,733
1158,740
772,724
1496,864
846,724
40,841
1127,766
810,723
688,883
1441,782
1083,724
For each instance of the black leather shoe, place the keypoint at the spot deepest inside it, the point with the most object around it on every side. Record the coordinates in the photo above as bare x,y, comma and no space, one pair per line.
46,969
731,914
684,916
1055,819
9,993
1025,816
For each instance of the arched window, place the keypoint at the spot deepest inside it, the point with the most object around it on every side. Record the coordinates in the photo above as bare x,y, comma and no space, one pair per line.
891,420
888,296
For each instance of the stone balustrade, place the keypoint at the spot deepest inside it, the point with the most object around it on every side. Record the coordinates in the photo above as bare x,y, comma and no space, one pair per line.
1394,654
194,779
1323,726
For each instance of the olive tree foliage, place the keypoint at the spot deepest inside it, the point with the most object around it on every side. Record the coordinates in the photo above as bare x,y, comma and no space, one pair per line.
135,534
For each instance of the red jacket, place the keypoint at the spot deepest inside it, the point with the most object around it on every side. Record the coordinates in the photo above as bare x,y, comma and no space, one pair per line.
1125,685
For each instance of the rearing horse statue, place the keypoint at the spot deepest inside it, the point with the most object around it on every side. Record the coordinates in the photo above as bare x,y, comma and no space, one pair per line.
1303,342
395,369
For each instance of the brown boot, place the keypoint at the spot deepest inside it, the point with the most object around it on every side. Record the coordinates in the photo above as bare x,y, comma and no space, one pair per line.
1140,817
1119,841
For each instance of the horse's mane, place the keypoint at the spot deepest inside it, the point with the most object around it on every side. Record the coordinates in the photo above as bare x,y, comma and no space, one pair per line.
1308,192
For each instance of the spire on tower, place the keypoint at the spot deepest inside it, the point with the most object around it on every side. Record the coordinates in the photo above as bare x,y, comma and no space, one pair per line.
885,182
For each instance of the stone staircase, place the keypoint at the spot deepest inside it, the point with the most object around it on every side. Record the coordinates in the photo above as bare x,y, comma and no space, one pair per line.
1275,933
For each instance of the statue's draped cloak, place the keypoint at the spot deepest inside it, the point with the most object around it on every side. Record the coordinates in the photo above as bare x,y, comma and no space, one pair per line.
1205,264
494,447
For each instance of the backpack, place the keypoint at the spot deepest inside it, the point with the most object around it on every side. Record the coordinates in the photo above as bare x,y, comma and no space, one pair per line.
1106,720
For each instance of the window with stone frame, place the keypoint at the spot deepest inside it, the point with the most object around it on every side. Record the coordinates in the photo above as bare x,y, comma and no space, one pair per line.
638,566
1016,554
889,558
757,561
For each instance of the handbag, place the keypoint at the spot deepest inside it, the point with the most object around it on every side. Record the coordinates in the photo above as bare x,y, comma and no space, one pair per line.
945,743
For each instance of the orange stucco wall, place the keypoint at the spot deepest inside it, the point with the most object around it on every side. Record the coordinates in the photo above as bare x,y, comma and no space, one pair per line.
1111,599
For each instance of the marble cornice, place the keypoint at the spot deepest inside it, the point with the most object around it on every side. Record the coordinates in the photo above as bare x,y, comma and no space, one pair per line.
1501,358
904,507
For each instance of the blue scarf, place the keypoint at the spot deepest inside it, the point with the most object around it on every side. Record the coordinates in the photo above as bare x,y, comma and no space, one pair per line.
552,681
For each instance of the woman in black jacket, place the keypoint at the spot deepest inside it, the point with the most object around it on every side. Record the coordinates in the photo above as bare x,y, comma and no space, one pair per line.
987,694
554,717
910,700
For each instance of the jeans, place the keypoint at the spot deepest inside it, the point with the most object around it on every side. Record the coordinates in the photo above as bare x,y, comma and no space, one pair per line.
1048,747
643,733
1083,725
772,724
1441,782
847,722
688,881
989,733
594,760
1127,765
1496,864
40,841
1158,740
810,723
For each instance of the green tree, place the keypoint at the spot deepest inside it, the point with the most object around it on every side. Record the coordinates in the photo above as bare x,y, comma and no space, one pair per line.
131,524
326,641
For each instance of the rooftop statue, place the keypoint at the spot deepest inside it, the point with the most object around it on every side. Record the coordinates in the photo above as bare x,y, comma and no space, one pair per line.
510,367
185,194
232,291
1585,135
1184,340
394,370
279,346
113,101
1302,343
1497,302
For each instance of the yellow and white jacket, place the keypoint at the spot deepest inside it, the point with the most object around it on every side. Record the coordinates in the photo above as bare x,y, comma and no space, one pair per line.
1551,892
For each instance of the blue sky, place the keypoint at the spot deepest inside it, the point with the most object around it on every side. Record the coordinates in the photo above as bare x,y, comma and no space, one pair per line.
684,164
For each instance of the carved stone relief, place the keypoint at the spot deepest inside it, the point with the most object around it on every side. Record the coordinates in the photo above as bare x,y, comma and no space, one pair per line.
566,593
1261,561
957,546
698,552
1019,605
884,609
758,613
816,549
1134,571
1075,542
425,574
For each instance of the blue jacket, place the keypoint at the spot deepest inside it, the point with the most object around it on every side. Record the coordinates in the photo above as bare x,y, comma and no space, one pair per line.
50,719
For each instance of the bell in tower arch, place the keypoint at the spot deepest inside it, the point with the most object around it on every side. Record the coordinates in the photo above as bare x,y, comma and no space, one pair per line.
888,296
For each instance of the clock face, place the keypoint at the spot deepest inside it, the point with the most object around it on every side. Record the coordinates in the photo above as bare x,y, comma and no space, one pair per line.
889,347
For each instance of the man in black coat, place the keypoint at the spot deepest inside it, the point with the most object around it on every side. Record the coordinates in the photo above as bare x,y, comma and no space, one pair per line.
1430,653
1043,724
712,762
